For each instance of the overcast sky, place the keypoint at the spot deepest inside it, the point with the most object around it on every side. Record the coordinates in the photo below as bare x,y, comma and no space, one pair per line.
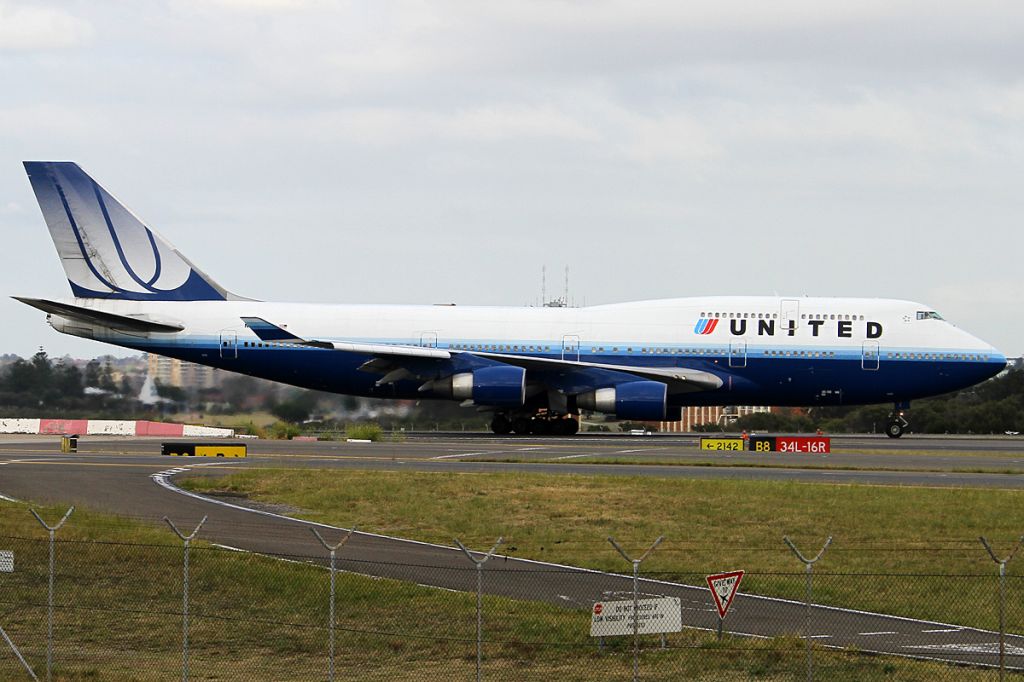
425,152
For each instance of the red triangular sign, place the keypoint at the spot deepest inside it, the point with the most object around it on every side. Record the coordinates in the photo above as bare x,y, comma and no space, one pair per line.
724,587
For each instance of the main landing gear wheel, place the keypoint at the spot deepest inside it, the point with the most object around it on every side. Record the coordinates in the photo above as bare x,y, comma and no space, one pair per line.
501,425
566,427
537,425
894,430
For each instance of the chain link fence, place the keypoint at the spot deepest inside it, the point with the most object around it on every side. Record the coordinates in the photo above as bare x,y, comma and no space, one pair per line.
120,612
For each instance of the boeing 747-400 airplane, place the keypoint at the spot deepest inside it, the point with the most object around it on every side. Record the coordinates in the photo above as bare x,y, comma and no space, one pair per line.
535,369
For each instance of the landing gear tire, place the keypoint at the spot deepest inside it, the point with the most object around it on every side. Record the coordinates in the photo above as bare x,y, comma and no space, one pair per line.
566,427
521,425
894,429
501,425
541,427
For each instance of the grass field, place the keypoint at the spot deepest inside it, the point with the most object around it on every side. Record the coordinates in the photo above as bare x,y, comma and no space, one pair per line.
895,549
118,617
819,463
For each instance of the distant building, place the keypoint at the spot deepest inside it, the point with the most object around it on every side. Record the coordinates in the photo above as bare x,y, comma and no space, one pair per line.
173,372
700,416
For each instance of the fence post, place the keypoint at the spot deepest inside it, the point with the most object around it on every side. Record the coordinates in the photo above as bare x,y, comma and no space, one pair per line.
49,595
332,549
187,539
479,597
1002,600
636,599
17,653
809,566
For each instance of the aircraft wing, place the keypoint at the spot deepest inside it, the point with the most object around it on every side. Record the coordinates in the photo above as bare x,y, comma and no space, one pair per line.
404,362
678,379
100,318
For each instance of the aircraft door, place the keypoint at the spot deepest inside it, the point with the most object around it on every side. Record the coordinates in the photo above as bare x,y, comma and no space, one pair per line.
229,345
738,354
571,347
428,339
869,356
789,315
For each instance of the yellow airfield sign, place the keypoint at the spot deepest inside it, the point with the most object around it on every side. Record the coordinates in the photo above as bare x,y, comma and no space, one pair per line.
723,444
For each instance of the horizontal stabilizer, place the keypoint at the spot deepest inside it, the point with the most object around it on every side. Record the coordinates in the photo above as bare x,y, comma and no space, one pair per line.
271,332
101,318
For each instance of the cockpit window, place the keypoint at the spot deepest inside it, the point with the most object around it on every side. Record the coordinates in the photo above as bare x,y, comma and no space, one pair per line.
928,315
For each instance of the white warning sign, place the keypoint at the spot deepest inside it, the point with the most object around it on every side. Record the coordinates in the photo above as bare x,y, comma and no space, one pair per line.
724,587
611,618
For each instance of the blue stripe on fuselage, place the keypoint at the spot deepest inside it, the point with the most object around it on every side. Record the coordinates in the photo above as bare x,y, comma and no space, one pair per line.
766,380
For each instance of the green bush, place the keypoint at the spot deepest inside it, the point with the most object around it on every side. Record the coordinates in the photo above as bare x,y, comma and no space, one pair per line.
283,431
364,432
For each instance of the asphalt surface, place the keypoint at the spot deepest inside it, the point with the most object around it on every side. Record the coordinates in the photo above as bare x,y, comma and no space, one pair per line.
129,477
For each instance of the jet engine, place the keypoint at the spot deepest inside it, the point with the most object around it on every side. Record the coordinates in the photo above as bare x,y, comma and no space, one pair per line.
640,400
499,386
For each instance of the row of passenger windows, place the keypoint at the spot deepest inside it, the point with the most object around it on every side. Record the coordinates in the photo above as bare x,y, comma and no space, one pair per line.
262,344
822,316
772,316
498,348
800,354
937,356
742,316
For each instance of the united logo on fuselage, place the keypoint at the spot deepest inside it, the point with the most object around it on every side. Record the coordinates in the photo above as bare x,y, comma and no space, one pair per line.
842,329
705,326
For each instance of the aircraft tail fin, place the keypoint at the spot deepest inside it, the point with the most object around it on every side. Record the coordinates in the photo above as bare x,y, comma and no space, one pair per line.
107,252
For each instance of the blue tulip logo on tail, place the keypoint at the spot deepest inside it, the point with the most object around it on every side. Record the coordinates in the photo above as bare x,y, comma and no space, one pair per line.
106,251
705,326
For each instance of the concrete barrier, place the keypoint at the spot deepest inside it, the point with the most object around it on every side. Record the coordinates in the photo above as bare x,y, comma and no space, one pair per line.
163,429
19,426
110,427
60,426
191,431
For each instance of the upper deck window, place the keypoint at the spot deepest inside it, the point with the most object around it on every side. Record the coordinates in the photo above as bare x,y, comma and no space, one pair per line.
928,315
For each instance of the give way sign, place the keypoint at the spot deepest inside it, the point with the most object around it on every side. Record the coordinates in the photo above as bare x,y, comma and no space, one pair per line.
723,589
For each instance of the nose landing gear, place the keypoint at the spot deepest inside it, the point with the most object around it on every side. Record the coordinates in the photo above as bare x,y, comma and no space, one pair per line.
897,423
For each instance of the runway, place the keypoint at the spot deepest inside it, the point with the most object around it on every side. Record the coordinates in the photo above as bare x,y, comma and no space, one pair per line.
128,477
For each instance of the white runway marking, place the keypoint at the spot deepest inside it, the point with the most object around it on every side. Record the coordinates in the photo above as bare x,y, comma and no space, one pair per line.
928,632
465,454
872,634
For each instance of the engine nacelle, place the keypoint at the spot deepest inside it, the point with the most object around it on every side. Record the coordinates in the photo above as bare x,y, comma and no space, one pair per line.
498,386
640,400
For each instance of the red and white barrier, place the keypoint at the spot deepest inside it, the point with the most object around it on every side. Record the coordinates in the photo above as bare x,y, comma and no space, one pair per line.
19,426
111,427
